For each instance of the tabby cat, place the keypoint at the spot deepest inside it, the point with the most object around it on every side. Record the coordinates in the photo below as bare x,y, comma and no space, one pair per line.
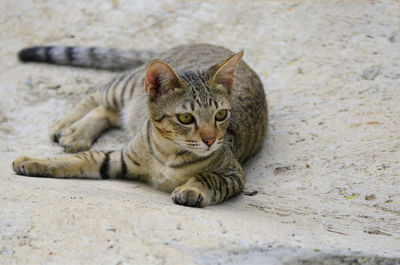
201,114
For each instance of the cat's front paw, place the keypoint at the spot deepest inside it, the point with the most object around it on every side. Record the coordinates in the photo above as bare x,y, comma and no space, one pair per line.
28,166
189,196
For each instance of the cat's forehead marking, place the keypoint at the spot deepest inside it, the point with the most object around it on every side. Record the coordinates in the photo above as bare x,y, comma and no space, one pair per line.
201,93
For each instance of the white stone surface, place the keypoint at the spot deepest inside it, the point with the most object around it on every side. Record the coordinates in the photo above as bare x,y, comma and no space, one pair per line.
331,73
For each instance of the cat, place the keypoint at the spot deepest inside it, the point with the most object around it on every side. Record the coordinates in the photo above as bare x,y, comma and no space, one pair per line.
195,114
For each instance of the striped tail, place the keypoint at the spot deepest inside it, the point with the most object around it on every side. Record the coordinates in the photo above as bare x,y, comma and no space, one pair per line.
101,58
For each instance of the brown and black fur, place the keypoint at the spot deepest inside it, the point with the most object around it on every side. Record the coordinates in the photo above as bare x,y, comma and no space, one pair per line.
200,163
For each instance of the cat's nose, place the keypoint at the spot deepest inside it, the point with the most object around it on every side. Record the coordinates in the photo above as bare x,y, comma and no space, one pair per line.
208,141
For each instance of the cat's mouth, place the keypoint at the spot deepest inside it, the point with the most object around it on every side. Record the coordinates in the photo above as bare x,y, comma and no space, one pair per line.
198,149
206,151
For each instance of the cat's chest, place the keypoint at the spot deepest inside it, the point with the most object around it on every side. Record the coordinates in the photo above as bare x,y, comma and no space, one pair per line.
166,178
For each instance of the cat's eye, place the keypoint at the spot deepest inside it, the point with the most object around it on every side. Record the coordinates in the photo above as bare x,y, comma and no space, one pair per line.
185,118
221,115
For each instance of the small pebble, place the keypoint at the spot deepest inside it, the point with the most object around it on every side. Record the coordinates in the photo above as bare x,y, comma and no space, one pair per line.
370,197
250,193
371,73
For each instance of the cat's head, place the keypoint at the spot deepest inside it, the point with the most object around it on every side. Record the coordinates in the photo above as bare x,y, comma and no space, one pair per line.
190,111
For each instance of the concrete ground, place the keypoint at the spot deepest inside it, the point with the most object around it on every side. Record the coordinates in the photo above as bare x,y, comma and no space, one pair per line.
327,178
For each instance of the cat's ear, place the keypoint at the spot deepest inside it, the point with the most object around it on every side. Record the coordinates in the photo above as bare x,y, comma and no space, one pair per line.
224,73
160,78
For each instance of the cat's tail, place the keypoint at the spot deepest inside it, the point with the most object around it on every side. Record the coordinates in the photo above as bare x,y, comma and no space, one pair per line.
91,57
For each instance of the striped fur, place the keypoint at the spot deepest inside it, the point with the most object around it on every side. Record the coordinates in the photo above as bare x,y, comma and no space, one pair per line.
199,162
93,57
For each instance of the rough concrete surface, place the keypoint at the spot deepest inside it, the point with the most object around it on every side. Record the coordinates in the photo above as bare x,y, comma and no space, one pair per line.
328,176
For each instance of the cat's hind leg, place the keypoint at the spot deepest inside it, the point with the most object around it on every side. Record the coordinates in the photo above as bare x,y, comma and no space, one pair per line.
93,115
82,108
82,133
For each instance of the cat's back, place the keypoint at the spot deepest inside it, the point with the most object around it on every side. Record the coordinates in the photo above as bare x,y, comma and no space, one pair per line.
195,56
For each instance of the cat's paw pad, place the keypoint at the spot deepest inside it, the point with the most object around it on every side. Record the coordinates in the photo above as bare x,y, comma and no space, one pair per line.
189,196
30,167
